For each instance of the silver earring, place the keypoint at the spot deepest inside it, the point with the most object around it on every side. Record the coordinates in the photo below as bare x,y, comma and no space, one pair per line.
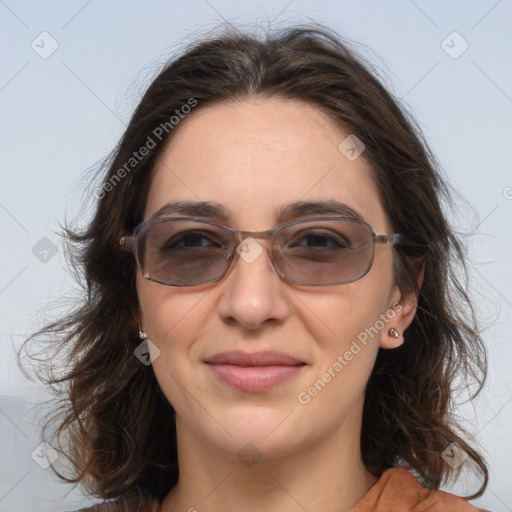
394,333
142,334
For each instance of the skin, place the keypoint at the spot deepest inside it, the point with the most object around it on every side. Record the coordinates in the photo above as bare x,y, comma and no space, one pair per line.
252,157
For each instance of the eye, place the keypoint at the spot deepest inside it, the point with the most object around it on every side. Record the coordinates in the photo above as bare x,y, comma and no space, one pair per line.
320,239
192,239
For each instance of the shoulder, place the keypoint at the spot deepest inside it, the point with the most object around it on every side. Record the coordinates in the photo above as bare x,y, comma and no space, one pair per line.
398,489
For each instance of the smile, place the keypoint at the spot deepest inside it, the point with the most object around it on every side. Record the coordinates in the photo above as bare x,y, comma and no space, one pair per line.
254,372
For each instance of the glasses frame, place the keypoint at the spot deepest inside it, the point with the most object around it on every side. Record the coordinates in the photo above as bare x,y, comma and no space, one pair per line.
129,242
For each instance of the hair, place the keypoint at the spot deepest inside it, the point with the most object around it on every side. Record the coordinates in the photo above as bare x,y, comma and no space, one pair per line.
114,424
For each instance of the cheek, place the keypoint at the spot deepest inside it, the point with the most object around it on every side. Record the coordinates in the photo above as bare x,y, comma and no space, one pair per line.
172,319
175,320
346,330
353,312
346,327
165,309
348,321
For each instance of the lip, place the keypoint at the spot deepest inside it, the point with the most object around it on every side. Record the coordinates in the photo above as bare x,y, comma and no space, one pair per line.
257,371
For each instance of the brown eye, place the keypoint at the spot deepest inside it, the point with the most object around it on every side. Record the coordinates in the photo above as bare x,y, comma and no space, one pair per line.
190,240
320,239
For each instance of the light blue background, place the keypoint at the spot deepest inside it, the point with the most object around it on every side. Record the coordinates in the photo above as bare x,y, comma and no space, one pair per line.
63,114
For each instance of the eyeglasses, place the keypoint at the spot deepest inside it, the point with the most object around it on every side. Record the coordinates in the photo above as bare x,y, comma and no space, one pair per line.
189,251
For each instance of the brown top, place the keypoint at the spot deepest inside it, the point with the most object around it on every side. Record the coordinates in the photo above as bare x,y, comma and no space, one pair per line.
396,490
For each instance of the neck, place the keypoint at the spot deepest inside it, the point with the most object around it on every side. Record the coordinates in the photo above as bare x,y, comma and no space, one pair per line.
326,475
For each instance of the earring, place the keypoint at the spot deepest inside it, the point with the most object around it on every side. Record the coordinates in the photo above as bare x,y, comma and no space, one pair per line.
142,334
394,333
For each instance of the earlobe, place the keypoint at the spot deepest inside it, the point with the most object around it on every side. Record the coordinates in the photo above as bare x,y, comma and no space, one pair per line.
142,333
391,339
394,333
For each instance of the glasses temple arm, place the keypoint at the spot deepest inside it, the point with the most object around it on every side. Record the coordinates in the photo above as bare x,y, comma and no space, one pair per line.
400,239
389,239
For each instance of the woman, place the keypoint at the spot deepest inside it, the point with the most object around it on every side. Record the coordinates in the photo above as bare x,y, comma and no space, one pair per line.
272,303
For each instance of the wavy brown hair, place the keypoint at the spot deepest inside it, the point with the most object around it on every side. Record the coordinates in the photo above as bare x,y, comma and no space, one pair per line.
114,424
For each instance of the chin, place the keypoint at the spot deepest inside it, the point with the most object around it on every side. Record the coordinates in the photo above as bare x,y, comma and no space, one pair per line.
260,432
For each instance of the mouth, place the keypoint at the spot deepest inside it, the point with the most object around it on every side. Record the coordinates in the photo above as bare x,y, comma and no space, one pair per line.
252,372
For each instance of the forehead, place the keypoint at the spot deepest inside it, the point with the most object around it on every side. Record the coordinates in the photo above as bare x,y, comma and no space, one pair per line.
255,156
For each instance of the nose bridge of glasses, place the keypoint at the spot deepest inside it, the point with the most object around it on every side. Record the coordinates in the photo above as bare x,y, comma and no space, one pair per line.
240,236
250,250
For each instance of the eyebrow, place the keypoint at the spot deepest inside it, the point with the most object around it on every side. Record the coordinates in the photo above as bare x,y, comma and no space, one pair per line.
288,212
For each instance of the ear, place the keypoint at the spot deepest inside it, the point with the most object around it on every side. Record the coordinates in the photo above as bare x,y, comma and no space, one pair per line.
401,311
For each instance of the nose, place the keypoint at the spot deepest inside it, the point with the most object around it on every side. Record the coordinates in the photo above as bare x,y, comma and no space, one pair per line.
253,293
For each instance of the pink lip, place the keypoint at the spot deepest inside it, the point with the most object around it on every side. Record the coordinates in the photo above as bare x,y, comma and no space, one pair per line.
257,371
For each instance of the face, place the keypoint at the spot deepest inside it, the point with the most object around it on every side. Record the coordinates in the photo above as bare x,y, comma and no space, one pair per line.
253,158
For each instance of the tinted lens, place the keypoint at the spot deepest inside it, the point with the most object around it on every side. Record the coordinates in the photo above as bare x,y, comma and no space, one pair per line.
183,252
325,252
